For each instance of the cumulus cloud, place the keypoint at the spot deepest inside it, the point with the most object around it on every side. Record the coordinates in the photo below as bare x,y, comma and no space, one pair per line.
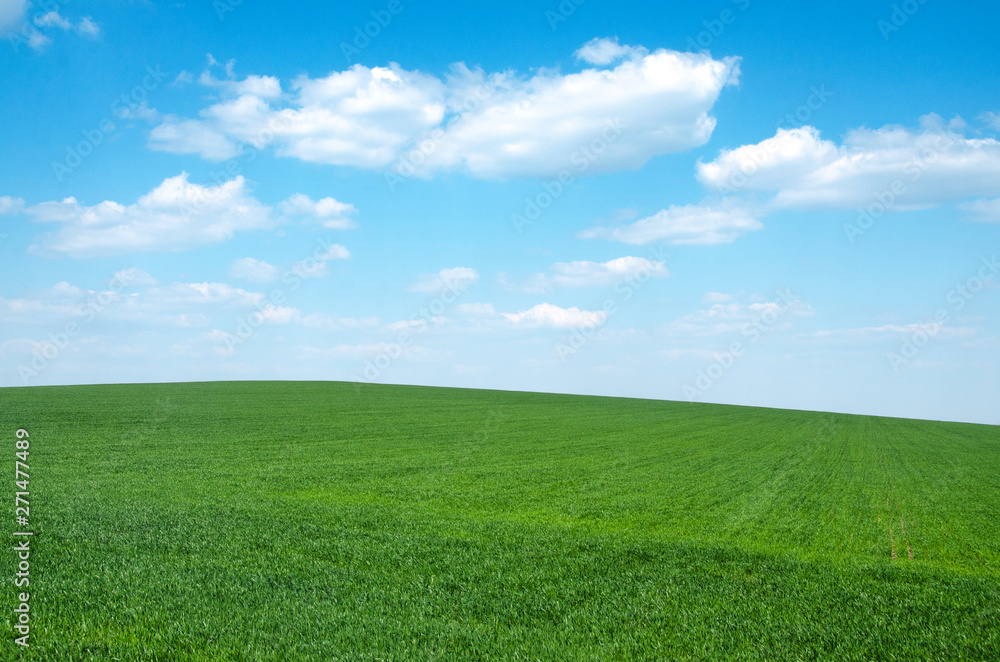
603,51
595,274
329,212
490,125
9,205
457,279
705,224
176,215
253,270
548,315
894,166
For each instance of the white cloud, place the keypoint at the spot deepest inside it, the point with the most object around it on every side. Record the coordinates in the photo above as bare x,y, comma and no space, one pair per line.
703,224
893,166
675,354
272,314
133,277
61,301
11,14
489,125
329,212
265,87
142,111
716,297
985,211
334,252
19,347
324,322
258,271
315,266
52,19
207,293
253,270
596,274
477,309
9,205
871,332
37,41
991,120
177,304
731,317
88,28
410,352
603,51
192,137
176,215
417,324
457,279
548,315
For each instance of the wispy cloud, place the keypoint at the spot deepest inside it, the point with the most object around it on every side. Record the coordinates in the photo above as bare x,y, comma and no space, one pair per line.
704,224
457,278
583,273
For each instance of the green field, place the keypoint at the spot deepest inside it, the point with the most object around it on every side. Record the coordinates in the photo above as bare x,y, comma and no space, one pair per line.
329,521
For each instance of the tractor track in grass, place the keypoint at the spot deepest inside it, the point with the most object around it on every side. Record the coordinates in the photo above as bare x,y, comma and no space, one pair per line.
891,500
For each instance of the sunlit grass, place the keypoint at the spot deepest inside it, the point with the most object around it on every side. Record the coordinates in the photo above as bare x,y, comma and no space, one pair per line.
326,521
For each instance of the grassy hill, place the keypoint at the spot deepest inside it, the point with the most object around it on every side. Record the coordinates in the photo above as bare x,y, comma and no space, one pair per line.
329,521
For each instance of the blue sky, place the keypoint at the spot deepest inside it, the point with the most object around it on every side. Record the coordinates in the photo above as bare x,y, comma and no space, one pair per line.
772,204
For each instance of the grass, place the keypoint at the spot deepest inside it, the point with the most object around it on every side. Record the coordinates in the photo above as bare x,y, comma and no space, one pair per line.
325,521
